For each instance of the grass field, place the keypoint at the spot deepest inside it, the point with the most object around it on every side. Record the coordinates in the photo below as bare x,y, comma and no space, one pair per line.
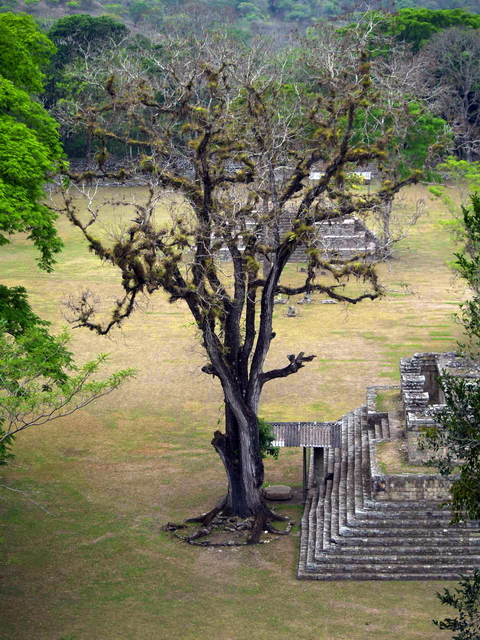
98,566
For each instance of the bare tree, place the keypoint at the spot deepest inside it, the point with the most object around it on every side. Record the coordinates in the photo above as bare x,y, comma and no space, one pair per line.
214,124
453,66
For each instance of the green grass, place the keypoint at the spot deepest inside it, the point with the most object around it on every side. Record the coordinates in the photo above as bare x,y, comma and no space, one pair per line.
387,400
113,475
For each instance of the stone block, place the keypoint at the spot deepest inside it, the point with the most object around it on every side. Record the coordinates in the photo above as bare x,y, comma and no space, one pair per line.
278,492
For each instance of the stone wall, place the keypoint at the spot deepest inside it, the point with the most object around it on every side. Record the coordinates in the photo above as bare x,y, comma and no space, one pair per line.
420,392
410,487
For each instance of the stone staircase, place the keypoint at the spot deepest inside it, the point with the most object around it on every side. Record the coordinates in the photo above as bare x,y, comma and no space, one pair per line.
347,533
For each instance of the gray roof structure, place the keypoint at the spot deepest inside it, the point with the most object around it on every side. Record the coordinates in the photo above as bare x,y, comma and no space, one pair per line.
307,434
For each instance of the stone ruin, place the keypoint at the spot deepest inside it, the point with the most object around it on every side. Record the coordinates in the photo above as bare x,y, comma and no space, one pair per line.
421,394
361,522
341,238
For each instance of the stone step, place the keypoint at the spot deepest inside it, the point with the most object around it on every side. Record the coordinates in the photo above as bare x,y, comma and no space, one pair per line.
413,532
400,511
408,541
350,466
357,475
418,553
390,521
385,427
316,502
455,568
326,532
410,505
312,523
348,535
366,462
314,574
304,535
318,514
342,489
335,506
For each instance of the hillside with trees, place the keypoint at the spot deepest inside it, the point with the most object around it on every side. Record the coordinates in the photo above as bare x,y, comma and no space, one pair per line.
273,17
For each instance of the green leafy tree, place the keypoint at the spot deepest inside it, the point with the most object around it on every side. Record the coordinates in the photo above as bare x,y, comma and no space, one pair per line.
416,26
38,378
454,442
75,36
466,600
417,139
30,149
39,382
24,52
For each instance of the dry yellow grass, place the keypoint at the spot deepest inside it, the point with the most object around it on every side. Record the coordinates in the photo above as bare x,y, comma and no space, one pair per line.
113,474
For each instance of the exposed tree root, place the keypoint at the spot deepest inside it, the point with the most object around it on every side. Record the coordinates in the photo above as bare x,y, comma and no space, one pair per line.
207,520
280,532
220,521
259,525
276,517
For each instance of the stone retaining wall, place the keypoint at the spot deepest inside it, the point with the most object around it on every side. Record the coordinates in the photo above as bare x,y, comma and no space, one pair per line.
410,487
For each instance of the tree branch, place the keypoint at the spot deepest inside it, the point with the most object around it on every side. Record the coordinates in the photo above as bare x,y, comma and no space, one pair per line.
296,363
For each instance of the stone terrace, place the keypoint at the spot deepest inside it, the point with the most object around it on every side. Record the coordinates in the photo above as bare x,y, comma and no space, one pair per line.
339,238
361,524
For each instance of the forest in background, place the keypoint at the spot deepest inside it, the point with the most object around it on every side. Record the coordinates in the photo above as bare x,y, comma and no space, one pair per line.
272,17
439,51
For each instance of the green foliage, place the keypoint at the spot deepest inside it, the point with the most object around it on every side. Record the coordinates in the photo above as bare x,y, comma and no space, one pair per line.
29,148
38,379
17,319
463,178
466,600
409,138
29,144
114,8
455,444
455,440
468,262
468,265
267,437
138,10
72,33
417,25
39,382
24,52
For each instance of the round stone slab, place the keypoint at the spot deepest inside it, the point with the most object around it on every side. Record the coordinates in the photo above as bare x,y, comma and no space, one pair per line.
278,492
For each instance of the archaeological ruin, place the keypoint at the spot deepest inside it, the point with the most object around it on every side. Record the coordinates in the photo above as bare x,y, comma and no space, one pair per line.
362,522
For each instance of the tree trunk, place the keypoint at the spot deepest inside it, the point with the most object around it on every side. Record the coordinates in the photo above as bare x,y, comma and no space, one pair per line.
240,453
386,216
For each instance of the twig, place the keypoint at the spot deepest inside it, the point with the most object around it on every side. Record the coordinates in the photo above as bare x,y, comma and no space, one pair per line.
24,493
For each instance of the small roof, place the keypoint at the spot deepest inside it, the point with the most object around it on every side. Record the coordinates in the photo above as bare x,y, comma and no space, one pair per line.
307,434
366,175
